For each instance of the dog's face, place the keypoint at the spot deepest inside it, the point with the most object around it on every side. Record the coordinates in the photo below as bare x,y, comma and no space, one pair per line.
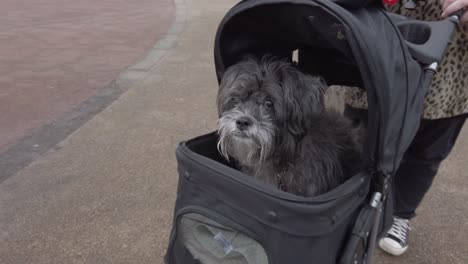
264,108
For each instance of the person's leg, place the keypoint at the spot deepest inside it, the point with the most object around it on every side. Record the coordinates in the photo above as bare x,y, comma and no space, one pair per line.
431,145
433,142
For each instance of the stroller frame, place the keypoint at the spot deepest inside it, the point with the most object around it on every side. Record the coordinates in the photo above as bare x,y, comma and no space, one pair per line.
348,42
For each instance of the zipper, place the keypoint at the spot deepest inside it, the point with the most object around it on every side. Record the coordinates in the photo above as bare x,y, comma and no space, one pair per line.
407,77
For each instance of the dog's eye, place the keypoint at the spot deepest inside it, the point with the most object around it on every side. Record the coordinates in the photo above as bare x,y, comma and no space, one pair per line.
268,103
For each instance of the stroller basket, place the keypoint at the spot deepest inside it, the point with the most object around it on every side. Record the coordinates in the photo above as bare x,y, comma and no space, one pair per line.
224,202
223,216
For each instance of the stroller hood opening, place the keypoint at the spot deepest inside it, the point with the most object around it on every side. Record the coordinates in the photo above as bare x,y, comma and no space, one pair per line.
352,47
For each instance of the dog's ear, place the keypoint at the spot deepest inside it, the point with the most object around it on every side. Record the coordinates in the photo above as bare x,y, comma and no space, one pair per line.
304,97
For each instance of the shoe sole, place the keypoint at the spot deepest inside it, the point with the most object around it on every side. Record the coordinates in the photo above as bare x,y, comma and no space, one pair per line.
392,250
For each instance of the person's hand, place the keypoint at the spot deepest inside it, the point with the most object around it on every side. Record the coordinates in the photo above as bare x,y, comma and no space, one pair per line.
451,6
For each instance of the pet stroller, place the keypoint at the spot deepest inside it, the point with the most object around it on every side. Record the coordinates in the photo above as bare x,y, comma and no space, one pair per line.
223,216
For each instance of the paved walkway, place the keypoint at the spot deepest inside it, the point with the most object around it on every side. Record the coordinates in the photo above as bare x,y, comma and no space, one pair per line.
105,194
54,54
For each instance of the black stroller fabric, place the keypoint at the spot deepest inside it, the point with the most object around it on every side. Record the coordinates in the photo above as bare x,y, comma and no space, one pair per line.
289,228
223,216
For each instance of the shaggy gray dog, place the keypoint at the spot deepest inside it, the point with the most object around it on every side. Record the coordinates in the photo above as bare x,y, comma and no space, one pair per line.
273,124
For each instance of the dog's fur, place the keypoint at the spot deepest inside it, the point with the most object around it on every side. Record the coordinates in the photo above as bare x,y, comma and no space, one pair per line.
273,123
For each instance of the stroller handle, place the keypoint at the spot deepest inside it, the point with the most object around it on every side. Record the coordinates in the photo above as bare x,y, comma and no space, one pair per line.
427,41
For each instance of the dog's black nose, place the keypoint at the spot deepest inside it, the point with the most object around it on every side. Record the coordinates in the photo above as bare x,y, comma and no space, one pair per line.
243,123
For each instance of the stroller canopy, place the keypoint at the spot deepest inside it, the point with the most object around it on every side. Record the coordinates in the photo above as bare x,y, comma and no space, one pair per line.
360,47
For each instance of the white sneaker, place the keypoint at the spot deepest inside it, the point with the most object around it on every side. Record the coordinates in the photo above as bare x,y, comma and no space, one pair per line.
396,240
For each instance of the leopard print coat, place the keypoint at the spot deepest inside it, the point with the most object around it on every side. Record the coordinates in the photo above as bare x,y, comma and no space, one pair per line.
448,94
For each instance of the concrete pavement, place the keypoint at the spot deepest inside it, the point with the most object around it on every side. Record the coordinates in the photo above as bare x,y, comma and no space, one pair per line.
105,194
55,54
60,63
